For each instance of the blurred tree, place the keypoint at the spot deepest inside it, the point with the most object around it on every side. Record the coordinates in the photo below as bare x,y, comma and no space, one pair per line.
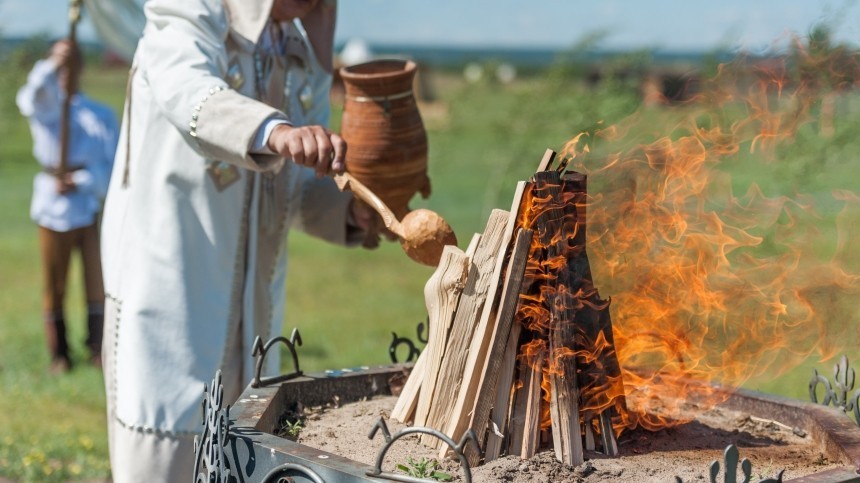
16,58
825,68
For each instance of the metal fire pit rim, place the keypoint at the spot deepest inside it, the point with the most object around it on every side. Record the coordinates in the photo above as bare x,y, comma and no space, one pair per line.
831,429
258,409
252,398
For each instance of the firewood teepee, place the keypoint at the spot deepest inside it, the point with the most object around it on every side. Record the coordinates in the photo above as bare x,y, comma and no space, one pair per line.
520,346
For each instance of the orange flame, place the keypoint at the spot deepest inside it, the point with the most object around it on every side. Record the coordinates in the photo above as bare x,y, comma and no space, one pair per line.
707,286
556,293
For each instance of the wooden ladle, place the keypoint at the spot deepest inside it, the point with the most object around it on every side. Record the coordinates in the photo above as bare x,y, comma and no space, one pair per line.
423,233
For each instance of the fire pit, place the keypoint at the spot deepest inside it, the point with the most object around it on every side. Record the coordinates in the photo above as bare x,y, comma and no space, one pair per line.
520,358
241,443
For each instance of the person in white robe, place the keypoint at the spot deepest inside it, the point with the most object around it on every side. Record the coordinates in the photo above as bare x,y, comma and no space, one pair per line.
223,150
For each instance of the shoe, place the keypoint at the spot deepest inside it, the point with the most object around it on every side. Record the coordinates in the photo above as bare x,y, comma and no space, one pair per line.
58,347
96,361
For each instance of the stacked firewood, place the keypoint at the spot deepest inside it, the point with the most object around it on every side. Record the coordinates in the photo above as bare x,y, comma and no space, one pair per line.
520,347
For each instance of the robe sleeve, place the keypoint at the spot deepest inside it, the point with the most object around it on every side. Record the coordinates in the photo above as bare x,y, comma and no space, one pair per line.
321,210
184,60
40,98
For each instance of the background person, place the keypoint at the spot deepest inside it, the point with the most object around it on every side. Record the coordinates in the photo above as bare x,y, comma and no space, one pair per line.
66,204
223,151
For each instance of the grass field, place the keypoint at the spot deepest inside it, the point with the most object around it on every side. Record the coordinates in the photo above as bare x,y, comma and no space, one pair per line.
346,303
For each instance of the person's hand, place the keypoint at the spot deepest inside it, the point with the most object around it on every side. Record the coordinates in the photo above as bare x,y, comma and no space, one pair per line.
312,146
67,57
367,219
362,215
62,52
65,184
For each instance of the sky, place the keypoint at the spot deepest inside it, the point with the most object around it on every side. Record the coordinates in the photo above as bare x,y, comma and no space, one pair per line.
624,24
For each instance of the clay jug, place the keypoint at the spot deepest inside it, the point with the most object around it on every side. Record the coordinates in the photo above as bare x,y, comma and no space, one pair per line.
386,140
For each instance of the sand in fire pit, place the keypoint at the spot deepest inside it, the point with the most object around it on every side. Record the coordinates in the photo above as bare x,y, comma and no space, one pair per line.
686,450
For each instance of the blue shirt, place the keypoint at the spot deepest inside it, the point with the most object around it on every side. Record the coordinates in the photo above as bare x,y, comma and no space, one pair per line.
93,133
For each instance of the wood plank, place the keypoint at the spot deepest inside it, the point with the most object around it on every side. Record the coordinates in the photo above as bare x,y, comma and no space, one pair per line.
564,398
574,186
485,384
459,421
473,245
607,433
406,403
469,308
441,295
470,251
524,428
504,396
557,230
600,383
589,435
547,160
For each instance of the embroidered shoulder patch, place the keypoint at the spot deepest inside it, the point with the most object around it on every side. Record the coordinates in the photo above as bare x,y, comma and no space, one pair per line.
222,174
234,76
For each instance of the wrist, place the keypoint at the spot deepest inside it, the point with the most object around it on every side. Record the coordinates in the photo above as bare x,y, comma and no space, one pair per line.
275,131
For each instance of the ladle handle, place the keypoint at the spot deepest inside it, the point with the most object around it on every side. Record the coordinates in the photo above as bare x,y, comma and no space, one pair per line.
347,181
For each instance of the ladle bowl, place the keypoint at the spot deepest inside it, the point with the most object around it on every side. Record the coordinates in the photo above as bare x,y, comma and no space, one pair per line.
425,236
423,233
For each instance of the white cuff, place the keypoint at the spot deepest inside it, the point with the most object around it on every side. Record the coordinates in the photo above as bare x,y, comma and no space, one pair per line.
261,142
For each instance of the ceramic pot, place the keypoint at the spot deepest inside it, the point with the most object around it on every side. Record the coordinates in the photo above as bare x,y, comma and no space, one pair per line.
386,139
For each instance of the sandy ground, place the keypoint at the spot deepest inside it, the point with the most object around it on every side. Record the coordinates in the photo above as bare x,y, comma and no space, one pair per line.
686,450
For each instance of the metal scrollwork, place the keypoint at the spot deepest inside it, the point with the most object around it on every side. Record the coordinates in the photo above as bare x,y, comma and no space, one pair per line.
389,440
731,458
209,448
414,352
282,473
838,392
396,342
261,350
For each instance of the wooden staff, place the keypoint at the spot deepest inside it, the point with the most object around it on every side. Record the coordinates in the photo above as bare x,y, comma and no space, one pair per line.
74,17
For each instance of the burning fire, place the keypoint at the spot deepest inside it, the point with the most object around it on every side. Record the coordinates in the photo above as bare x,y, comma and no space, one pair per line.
707,286
558,292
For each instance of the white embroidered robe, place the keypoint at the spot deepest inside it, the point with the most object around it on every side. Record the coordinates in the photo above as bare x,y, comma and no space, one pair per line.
194,228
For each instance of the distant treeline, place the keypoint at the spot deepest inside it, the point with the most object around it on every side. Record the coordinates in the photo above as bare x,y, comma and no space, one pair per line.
28,49
530,57
455,57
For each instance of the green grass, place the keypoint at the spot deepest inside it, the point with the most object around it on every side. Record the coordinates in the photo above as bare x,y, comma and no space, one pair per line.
347,302
51,427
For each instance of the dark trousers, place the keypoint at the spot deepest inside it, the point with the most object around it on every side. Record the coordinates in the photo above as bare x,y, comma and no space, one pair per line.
56,251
